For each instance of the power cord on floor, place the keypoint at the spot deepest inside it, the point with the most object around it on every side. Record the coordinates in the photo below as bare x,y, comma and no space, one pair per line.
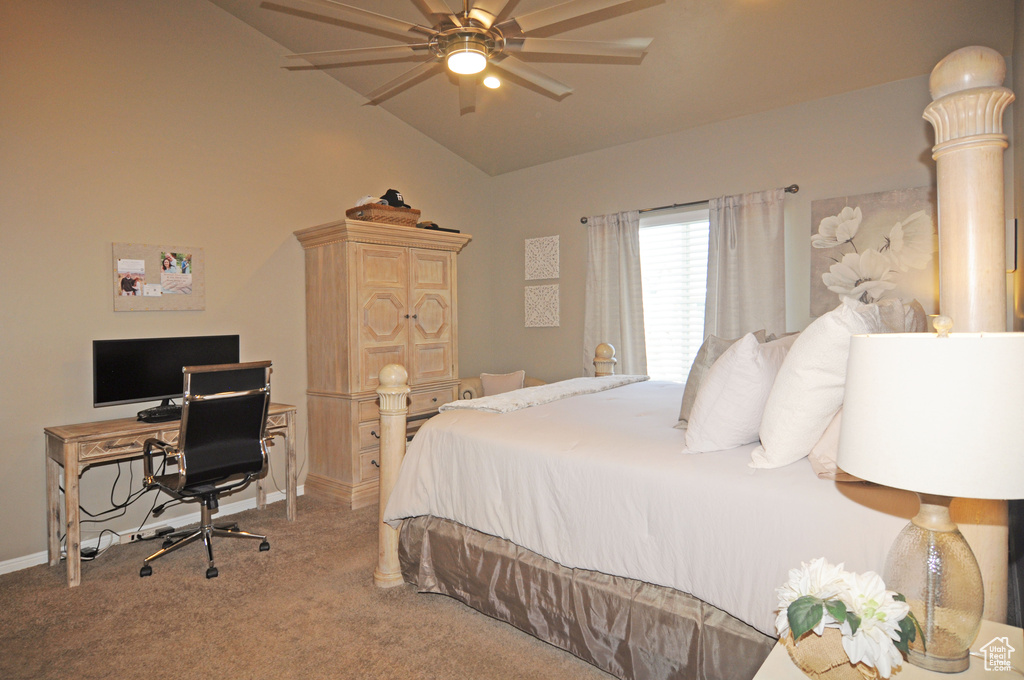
88,553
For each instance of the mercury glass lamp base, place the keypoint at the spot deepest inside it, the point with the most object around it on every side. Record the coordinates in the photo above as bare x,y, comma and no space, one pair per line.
932,566
939,664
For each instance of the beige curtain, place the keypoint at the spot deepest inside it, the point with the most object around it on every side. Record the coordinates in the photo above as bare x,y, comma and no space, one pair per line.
614,307
746,265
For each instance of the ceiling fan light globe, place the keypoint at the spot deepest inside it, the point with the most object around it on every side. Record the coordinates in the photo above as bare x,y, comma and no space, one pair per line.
466,56
466,62
492,82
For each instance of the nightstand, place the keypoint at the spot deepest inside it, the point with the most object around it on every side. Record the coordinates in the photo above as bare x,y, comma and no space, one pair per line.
778,665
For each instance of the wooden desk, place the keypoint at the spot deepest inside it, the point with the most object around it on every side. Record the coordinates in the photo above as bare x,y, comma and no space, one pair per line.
76,447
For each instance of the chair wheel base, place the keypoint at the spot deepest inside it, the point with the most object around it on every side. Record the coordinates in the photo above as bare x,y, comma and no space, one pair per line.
264,546
145,571
211,572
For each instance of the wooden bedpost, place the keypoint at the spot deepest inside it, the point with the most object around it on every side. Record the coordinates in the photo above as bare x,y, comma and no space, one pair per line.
394,407
604,360
967,114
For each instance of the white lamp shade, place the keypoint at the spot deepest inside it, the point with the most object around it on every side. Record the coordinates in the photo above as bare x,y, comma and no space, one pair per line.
936,415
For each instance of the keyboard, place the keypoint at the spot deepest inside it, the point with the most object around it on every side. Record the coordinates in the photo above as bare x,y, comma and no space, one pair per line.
159,414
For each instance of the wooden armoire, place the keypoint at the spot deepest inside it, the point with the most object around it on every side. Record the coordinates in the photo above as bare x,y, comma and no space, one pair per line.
376,294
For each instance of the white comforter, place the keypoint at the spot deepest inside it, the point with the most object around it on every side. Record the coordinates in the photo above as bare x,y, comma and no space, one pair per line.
538,395
598,482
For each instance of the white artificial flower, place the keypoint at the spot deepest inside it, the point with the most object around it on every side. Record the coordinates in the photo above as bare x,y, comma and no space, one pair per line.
862,276
880,614
911,242
817,579
837,229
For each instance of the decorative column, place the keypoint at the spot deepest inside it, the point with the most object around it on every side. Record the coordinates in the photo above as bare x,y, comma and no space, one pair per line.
394,407
967,114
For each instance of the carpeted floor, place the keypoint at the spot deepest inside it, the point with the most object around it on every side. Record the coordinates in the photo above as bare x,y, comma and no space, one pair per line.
305,609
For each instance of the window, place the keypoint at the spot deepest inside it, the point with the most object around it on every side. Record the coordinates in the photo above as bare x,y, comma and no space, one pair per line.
674,272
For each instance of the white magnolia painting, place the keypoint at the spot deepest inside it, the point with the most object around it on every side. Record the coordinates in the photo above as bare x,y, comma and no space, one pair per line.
875,246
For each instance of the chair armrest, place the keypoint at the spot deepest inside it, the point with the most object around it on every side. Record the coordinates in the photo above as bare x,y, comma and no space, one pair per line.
169,454
470,388
268,440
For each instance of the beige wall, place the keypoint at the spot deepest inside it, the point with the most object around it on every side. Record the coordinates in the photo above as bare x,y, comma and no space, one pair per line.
160,122
865,141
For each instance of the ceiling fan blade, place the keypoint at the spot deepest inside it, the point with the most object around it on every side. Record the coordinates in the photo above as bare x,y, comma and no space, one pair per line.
370,19
393,86
531,21
485,11
627,47
440,8
381,52
467,94
520,69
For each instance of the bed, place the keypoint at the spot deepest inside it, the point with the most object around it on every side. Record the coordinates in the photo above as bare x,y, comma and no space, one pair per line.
574,482
580,521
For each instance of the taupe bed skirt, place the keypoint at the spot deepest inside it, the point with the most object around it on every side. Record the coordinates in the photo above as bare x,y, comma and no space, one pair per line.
628,628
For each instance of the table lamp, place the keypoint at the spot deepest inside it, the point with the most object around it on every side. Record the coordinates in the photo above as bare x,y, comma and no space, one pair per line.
938,414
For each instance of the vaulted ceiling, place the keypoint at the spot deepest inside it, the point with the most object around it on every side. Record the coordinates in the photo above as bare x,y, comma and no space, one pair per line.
710,60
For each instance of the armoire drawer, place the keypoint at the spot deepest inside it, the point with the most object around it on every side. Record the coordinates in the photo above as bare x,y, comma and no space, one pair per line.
424,402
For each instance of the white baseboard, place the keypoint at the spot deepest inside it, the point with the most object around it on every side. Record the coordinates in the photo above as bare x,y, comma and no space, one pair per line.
18,563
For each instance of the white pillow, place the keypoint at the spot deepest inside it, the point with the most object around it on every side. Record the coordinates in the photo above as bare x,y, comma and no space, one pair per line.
824,454
710,350
917,320
729,405
809,387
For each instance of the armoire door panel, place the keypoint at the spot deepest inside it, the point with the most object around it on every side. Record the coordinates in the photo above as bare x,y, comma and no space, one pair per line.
383,318
382,267
430,270
372,359
431,361
432,315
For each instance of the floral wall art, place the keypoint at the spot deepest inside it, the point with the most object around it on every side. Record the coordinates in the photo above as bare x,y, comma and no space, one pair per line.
875,246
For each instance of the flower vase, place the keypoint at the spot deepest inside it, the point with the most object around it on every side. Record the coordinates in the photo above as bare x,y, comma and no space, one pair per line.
823,657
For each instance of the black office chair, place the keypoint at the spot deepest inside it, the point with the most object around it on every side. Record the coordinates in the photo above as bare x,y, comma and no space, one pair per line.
222,446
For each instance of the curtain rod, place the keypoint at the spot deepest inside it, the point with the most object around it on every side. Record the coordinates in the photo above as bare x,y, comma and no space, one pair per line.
791,189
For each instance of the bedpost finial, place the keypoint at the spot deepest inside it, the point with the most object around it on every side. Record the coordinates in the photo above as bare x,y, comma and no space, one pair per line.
943,325
604,360
965,69
393,375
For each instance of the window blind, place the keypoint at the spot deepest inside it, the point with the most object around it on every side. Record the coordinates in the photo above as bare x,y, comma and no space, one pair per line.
674,269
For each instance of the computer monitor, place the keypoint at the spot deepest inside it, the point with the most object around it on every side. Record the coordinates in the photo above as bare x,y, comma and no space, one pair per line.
149,369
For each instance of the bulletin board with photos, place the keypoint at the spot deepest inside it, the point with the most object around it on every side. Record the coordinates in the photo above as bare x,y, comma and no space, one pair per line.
158,278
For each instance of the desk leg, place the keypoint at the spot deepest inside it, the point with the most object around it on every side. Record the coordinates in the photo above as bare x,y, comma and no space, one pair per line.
290,469
73,537
52,508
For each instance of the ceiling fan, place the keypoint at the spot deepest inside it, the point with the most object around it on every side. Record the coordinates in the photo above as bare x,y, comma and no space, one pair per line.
469,41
